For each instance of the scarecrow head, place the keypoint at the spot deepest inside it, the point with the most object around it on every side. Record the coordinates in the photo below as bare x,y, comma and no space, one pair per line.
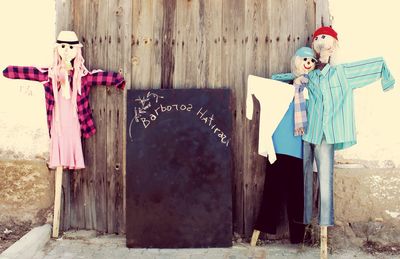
325,44
303,61
67,47
67,58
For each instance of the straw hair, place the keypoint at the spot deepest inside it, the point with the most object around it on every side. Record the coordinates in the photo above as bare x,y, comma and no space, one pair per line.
57,74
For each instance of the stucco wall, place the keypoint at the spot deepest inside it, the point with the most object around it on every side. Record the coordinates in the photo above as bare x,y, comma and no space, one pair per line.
26,185
365,30
27,39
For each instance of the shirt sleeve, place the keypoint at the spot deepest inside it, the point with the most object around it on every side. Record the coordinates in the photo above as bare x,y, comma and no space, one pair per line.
285,77
27,73
365,72
105,78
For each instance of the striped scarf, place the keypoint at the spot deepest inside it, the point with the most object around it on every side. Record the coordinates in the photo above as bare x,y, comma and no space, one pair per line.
300,113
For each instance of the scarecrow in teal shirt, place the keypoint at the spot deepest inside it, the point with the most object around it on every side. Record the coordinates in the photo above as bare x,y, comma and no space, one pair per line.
330,115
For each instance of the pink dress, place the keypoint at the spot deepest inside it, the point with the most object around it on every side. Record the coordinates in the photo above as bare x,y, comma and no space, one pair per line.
66,145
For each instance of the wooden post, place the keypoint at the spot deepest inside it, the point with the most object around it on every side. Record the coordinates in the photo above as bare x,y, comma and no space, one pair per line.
254,237
324,242
322,18
57,201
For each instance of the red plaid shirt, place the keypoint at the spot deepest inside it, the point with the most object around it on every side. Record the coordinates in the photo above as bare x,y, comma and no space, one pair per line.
85,116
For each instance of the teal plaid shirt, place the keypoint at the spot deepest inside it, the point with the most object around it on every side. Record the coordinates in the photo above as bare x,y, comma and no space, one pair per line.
330,108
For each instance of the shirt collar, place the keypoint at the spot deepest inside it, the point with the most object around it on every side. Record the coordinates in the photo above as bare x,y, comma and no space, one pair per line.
325,70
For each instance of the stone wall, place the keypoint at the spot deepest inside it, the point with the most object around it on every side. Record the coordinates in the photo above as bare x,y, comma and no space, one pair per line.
26,191
367,207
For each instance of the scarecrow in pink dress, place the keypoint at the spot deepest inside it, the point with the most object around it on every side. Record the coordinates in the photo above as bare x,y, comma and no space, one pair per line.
67,86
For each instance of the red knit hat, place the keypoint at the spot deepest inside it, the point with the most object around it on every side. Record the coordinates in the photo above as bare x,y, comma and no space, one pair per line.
327,31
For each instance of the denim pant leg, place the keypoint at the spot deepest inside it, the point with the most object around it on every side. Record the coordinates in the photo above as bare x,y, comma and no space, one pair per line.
324,155
308,158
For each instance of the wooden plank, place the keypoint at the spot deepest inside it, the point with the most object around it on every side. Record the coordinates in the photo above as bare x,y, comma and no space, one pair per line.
156,58
65,216
182,44
76,191
89,9
324,242
89,185
98,99
188,42
95,155
232,75
300,23
281,52
127,68
207,32
84,208
57,201
64,21
281,27
146,43
310,20
77,214
212,17
119,32
257,52
202,43
254,237
64,11
322,15
167,43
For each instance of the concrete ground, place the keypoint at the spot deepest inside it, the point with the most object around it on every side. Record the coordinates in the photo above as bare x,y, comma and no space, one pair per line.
85,244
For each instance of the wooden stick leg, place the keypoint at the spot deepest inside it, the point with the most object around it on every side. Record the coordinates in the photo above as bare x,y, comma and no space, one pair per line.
254,237
324,242
57,201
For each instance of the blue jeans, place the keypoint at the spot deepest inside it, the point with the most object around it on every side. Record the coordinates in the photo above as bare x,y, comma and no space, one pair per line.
324,155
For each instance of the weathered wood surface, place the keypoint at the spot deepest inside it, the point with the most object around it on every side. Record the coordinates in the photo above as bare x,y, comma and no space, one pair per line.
178,44
94,197
257,53
322,15
232,74
88,187
119,51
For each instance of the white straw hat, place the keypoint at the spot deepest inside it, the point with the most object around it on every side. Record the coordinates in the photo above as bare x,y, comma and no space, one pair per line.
68,37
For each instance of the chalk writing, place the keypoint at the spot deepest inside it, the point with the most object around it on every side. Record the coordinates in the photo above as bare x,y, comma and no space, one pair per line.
209,121
148,108
153,114
26,90
145,104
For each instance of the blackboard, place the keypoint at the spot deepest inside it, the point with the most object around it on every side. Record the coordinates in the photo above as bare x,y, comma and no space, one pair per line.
179,163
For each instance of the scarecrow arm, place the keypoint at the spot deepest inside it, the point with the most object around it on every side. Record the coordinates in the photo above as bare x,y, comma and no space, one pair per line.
27,73
365,72
105,78
284,77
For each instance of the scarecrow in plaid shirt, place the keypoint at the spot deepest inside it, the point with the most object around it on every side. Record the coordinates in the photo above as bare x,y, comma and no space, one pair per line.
67,86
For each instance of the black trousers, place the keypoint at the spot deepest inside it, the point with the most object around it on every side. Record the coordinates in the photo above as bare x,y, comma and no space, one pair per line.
283,186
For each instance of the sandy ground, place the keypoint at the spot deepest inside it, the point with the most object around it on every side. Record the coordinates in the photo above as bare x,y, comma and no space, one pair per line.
11,231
